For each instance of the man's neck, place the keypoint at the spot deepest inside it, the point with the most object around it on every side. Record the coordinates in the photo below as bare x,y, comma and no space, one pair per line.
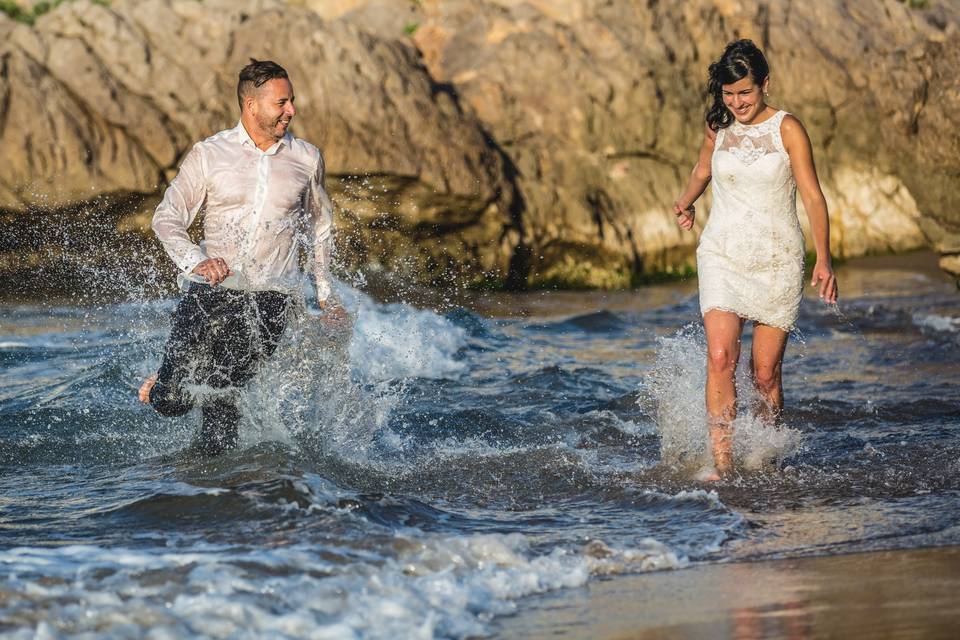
262,141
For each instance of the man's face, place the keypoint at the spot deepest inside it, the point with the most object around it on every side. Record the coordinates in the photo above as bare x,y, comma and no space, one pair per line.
272,107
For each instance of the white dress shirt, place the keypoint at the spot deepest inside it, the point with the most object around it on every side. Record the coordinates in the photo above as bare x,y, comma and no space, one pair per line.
259,206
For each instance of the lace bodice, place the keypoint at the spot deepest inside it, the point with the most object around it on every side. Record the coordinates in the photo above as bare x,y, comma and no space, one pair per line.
749,143
751,251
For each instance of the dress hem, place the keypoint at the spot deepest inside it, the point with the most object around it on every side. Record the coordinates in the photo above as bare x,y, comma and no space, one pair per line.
747,316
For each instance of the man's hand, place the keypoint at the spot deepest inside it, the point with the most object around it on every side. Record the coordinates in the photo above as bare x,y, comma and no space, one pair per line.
333,313
685,216
213,270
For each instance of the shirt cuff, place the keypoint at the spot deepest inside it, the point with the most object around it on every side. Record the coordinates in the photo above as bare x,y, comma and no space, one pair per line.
192,259
323,290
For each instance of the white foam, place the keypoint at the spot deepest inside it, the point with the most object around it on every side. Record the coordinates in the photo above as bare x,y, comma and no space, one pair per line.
431,587
936,322
398,341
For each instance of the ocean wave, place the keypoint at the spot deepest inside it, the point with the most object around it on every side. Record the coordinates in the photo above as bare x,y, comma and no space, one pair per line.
441,586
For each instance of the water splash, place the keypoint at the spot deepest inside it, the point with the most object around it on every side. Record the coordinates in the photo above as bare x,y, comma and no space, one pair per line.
333,387
676,386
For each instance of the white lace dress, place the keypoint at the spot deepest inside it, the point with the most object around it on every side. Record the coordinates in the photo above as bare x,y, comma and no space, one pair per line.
750,258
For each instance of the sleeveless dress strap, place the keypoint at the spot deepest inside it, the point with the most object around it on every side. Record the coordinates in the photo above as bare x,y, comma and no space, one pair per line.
776,122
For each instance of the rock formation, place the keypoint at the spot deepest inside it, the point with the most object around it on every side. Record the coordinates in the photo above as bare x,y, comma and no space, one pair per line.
105,100
598,105
526,141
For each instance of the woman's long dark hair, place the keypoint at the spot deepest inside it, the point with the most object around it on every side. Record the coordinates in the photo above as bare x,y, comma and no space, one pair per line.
739,60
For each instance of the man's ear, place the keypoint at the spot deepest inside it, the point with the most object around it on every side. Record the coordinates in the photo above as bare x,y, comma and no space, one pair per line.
249,103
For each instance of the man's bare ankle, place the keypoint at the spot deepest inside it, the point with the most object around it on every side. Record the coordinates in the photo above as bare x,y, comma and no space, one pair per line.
146,388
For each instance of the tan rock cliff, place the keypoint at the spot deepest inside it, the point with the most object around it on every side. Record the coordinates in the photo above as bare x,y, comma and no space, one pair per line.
531,140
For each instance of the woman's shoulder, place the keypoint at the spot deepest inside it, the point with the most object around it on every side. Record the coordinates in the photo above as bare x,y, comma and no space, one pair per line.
790,124
792,132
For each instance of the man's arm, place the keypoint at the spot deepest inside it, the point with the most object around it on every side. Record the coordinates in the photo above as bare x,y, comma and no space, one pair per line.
177,211
319,212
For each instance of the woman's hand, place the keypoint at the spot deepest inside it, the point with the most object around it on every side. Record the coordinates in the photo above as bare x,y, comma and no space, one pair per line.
824,279
685,216
334,314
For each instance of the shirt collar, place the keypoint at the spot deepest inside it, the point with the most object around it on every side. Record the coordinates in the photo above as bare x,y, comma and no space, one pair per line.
245,139
243,136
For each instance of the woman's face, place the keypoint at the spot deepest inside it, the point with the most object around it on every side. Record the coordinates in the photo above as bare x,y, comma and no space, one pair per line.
744,99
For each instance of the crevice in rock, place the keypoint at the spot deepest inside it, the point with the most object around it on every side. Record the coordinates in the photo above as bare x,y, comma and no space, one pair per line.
763,22
5,104
520,262
637,256
918,107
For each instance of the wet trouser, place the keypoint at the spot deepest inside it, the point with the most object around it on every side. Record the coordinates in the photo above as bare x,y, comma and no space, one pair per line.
217,339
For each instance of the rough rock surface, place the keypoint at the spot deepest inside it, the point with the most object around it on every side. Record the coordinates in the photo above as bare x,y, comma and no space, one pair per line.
599,106
107,100
540,141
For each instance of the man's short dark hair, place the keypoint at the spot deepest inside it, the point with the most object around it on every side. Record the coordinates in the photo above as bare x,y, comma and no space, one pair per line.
254,75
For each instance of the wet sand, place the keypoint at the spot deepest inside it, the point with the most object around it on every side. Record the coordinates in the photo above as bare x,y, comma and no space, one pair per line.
912,593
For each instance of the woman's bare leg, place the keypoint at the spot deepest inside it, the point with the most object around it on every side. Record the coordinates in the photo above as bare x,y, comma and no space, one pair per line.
723,330
769,344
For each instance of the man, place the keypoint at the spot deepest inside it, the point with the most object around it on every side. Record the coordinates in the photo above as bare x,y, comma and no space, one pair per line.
262,194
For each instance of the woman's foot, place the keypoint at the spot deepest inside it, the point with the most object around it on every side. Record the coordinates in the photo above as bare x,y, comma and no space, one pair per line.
145,388
708,474
721,442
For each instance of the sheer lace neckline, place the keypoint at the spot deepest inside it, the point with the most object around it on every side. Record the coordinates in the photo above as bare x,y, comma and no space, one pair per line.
776,117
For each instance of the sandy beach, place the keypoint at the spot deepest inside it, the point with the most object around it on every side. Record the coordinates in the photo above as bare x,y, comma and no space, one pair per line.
889,594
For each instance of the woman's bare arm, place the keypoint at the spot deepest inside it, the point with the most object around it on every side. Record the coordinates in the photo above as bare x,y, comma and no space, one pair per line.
697,183
798,147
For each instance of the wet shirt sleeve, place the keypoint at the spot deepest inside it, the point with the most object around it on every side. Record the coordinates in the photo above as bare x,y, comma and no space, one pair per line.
178,209
319,214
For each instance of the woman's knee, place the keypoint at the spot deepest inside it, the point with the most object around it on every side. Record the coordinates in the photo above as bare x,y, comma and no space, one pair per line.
721,360
766,377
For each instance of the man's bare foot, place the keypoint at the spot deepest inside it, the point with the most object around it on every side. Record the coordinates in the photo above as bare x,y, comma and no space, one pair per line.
145,388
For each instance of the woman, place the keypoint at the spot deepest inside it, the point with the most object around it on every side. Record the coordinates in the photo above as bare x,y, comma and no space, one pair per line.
750,258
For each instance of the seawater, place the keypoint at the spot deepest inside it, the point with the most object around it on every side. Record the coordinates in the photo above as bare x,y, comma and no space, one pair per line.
416,473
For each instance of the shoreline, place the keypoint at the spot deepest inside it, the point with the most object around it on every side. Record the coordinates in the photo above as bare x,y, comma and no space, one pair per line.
909,593
64,279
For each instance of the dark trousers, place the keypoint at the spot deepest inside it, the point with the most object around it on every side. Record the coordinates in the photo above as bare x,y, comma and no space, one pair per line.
217,339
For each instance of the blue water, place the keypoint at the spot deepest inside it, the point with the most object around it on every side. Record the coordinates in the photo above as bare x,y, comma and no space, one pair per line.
420,474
